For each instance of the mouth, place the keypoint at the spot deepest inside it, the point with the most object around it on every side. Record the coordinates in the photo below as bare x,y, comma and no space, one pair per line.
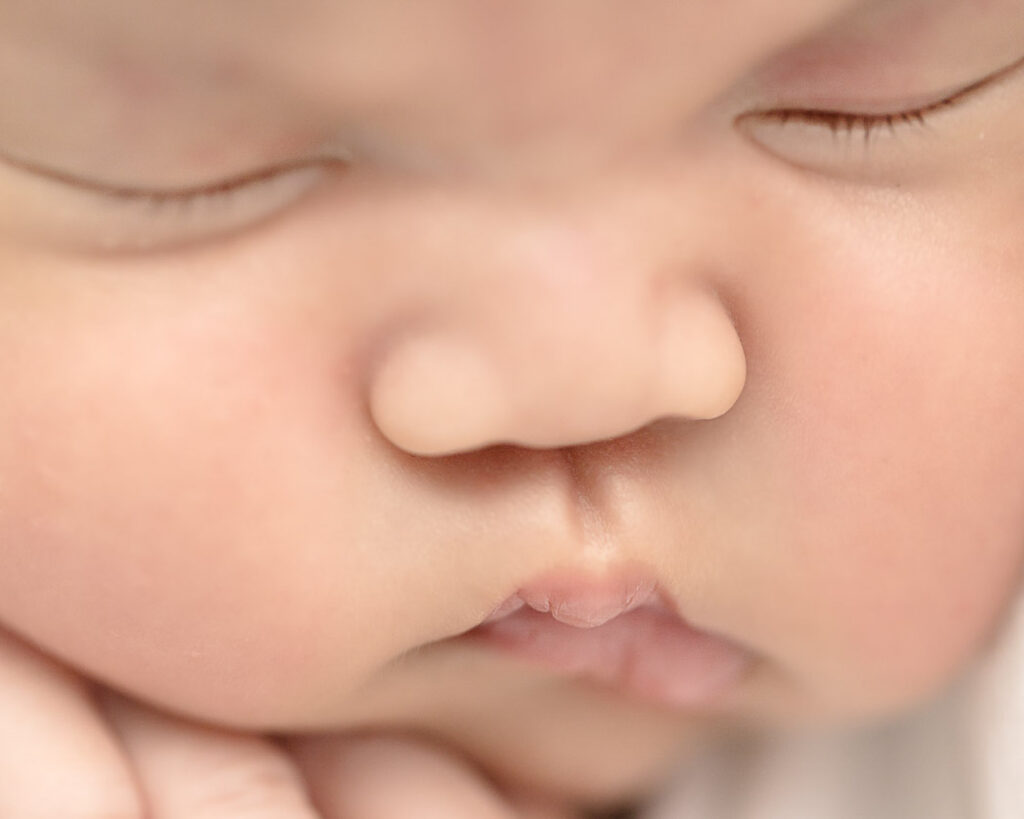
620,632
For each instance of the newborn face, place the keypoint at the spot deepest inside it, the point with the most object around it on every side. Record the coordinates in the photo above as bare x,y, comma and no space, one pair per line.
329,327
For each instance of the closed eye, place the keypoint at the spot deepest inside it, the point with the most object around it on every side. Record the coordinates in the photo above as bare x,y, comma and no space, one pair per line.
64,208
179,198
866,123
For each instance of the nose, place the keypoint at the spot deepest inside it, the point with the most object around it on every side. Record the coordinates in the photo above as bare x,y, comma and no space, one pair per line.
555,336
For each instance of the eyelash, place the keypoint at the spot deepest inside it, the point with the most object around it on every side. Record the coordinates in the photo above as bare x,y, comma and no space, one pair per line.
848,123
842,122
845,122
223,193
839,122
183,200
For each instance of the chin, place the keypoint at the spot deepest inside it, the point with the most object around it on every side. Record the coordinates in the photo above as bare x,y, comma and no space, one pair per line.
583,748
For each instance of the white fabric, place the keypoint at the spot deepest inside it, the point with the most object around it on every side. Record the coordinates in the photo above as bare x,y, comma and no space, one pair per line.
960,758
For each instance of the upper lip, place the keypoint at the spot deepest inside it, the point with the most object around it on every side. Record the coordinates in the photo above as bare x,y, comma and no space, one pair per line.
584,600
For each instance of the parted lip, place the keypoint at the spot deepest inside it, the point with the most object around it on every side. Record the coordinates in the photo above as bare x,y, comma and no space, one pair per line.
617,629
583,600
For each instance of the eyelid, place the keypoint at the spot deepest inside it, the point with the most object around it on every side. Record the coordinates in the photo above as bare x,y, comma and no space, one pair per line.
847,121
61,209
158,196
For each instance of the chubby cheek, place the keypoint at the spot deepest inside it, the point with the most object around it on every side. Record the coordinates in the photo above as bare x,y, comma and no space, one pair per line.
148,483
897,395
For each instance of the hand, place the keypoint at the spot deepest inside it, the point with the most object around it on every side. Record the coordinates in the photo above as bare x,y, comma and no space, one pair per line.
70,751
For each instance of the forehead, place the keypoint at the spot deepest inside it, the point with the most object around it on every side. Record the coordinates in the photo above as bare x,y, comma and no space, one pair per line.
350,50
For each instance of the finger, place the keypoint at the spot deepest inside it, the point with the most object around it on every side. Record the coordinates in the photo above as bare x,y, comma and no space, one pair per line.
384,777
190,771
58,758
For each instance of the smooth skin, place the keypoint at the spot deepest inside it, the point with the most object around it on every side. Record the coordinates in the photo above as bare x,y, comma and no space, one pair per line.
73,751
500,289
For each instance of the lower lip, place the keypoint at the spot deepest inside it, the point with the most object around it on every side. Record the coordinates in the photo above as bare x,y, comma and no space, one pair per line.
648,653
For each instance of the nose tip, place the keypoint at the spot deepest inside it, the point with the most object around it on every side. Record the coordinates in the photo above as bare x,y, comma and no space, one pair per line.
442,393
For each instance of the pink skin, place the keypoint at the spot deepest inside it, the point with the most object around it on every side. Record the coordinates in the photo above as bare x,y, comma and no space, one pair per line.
619,631
561,314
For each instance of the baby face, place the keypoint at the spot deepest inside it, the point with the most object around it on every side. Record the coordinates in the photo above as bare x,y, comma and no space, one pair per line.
330,326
